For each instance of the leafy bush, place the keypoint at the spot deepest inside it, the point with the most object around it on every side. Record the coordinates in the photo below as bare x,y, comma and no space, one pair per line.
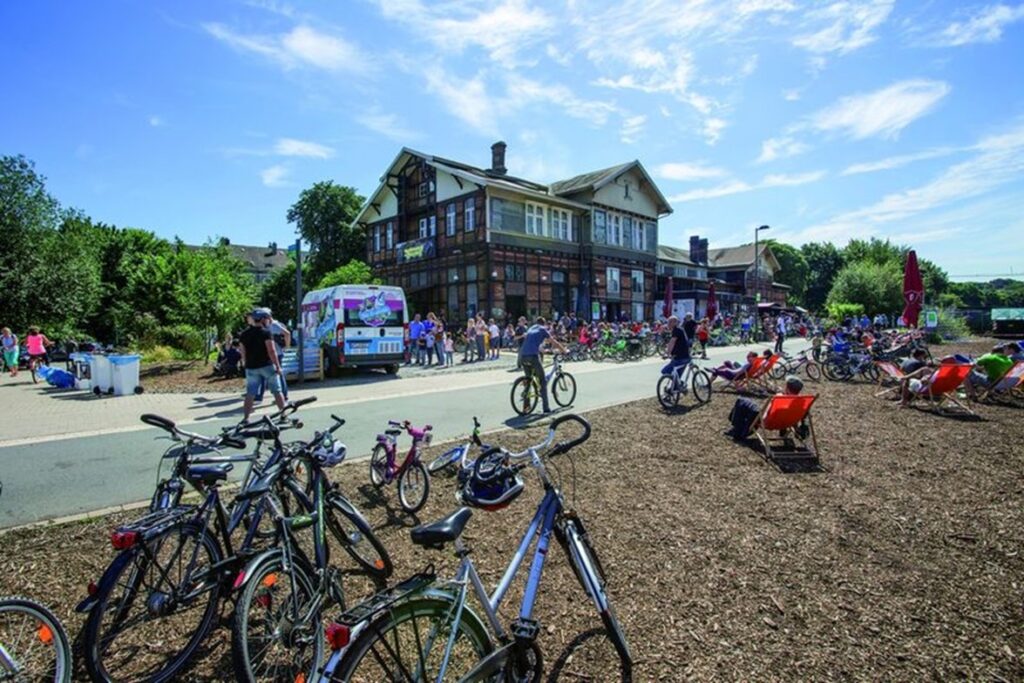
840,311
185,338
158,354
951,326
144,331
877,287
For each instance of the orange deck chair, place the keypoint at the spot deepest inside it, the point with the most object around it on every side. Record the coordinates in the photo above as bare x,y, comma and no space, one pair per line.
891,373
762,379
941,390
787,412
740,383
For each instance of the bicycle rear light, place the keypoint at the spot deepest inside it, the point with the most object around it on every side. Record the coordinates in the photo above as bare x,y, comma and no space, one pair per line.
338,636
123,540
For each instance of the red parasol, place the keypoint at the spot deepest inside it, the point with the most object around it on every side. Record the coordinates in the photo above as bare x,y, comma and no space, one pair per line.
913,291
712,308
666,309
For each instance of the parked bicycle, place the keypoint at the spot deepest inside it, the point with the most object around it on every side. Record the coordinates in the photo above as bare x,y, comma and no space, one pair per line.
411,474
683,379
33,643
423,630
458,457
789,365
526,390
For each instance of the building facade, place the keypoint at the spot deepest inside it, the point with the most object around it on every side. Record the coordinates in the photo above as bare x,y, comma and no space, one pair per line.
463,240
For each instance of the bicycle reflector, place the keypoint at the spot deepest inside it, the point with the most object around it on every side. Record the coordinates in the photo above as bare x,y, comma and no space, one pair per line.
338,636
123,540
45,634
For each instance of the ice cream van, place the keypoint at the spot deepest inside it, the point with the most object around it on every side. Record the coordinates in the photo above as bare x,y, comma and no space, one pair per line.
357,325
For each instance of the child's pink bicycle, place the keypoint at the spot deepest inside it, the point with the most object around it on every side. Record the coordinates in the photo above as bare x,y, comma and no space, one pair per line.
412,476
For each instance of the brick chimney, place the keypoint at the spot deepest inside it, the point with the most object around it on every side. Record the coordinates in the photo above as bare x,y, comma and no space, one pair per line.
498,158
699,250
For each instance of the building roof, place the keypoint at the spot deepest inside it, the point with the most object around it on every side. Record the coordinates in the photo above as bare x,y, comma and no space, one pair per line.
595,180
666,253
255,258
739,257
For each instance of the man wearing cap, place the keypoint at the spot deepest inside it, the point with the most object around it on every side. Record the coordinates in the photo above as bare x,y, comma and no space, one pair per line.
261,361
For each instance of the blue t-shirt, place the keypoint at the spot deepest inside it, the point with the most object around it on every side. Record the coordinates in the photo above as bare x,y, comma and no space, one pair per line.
415,329
535,336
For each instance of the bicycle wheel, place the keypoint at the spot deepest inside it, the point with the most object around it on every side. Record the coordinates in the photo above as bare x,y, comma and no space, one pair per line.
33,643
870,372
701,385
413,487
668,397
356,536
446,460
563,389
32,371
273,637
524,396
378,465
161,598
779,371
813,370
408,642
590,573
598,353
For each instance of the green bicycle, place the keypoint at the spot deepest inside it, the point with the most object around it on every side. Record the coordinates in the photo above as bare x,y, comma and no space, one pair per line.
526,389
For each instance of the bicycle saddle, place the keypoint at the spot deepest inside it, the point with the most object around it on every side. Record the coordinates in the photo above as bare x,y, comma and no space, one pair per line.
436,534
208,474
393,432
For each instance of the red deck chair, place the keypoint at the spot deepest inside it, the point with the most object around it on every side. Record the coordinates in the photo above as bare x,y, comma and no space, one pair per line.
783,412
1007,387
891,373
941,390
762,379
740,383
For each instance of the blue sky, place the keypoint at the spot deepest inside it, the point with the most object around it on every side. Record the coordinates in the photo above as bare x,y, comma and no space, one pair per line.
826,120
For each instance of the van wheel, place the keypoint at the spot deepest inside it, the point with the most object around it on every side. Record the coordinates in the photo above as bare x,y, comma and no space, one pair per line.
392,369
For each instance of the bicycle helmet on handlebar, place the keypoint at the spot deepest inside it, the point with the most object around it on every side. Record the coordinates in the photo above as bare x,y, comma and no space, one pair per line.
330,454
493,484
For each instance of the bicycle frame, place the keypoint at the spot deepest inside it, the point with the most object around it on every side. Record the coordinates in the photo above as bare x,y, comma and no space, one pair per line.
391,449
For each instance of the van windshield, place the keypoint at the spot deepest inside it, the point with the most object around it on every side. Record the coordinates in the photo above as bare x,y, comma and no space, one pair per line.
379,318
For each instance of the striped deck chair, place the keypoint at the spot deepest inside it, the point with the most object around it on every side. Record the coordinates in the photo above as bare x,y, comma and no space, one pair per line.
891,374
1008,387
785,412
941,389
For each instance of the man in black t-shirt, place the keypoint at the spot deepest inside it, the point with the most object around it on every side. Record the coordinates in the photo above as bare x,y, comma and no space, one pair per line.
260,357
678,346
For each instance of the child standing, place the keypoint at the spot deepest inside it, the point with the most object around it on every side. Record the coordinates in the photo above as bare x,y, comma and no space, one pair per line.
449,350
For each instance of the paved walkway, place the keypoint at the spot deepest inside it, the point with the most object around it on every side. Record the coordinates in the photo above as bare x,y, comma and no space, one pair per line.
66,453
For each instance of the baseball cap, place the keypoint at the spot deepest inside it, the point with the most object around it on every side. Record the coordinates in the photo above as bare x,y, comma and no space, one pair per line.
260,313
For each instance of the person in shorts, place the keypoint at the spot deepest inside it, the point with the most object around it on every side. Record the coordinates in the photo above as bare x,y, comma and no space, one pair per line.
678,346
533,344
259,354
9,342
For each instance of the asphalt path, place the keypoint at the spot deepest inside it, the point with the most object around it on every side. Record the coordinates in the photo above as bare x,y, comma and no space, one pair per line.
66,476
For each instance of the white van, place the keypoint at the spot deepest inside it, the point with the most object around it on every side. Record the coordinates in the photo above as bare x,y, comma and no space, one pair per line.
357,325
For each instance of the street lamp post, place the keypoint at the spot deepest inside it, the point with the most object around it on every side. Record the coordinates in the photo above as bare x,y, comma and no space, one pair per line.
272,251
757,283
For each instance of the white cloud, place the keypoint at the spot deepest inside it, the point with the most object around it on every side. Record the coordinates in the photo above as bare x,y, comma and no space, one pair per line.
155,121
986,26
290,147
632,127
791,95
848,26
386,124
522,91
465,99
275,176
302,46
712,129
999,161
883,113
560,57
738,186
687,171
890,163
780,148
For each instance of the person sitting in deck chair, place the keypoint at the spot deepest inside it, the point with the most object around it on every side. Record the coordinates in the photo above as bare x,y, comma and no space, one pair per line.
733,371
745,411
990,368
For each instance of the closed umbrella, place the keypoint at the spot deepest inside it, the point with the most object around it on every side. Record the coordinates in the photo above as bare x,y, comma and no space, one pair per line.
712,307
666,309
913,291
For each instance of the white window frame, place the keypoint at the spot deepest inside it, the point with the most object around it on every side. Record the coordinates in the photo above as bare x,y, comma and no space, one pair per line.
561,224
613,275
469,215
637,276
449,219
390,235
535,223
627,232
614,229
376,238
423,227
432,222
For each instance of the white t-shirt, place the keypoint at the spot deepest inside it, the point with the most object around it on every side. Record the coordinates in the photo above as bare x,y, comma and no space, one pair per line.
495,332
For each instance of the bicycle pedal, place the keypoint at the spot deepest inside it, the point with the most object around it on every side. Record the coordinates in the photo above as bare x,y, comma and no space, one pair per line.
525,629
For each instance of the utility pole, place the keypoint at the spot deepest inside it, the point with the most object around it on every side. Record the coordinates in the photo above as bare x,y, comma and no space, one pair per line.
298,307
757,284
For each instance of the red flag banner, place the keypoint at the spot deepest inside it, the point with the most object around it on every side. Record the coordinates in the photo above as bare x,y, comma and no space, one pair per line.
666,309
913,291
712,307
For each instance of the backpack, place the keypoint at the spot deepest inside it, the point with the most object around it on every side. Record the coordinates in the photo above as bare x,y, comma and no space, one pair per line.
742,417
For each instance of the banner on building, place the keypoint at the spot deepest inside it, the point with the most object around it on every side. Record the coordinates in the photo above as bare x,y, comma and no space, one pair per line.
415,250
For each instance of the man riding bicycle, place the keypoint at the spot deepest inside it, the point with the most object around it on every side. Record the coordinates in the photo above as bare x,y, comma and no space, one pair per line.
678,347
536,337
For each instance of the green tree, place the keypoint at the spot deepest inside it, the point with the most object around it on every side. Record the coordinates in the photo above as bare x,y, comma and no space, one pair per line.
794,269
324,214
876,287
824,262
352,273
278,292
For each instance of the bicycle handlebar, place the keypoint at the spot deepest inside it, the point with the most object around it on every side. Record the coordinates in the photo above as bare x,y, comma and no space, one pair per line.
178,433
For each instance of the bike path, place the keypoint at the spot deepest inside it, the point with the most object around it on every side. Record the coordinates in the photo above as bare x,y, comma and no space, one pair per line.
57,478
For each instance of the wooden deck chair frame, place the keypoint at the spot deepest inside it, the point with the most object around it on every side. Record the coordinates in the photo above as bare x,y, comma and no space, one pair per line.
762,379
887,370
775,445
938,400
1009,386
740,385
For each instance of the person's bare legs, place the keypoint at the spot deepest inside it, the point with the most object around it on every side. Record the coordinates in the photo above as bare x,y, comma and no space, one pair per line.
248,406
279,400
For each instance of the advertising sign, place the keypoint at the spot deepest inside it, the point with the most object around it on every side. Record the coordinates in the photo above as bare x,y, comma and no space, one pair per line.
416,250
931,319
318,319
